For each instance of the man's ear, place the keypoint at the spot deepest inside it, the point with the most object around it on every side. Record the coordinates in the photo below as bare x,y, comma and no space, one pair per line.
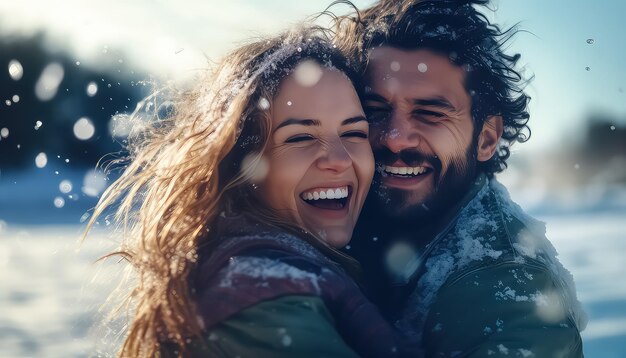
489,138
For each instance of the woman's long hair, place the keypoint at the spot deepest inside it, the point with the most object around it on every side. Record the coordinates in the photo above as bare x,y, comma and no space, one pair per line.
183,171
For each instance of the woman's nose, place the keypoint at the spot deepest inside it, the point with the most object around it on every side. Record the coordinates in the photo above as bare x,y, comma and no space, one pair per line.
334,157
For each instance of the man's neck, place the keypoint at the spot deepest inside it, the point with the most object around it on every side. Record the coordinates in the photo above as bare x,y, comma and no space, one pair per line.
423,232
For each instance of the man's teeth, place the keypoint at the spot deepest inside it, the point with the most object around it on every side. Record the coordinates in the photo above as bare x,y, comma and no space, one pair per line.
331,193
403,170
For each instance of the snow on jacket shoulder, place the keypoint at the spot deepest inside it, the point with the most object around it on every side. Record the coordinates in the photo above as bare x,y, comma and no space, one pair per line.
490,285
272,294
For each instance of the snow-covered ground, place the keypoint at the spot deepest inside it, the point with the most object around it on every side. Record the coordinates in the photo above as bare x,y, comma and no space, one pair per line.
51,288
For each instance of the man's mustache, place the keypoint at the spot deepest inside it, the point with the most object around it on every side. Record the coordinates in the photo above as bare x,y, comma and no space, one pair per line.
410,157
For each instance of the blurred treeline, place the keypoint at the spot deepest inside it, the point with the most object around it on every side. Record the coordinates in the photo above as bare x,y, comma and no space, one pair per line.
602,154
599,158
119,88
596,159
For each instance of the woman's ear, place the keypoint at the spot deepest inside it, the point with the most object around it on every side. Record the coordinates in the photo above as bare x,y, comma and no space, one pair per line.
489,138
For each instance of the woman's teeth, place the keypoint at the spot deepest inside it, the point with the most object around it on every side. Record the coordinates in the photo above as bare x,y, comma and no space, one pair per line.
403,170
327,193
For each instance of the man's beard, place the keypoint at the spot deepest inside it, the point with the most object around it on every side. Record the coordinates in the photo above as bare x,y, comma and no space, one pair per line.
448,189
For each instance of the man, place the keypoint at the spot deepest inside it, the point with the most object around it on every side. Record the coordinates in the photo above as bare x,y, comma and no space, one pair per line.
457,265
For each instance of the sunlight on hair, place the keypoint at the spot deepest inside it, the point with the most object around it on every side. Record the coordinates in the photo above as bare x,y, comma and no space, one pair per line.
254,167
308,73
48,83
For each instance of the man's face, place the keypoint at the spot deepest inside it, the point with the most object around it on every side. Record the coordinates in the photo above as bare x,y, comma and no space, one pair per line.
421,131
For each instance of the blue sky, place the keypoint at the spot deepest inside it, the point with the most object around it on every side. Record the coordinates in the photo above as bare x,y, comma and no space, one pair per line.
172,38
557,53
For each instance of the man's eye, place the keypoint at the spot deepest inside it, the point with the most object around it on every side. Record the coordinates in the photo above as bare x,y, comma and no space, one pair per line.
377,115
429,115
355,134
299,138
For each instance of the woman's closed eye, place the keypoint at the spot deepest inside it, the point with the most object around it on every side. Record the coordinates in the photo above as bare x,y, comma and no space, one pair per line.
355,134
299,138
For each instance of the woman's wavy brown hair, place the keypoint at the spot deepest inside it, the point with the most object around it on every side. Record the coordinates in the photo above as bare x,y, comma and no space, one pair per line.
183,171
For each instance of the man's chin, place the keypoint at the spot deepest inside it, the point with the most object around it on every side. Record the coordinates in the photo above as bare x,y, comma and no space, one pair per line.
402,204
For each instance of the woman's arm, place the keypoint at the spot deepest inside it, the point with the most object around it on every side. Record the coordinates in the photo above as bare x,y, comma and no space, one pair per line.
288,326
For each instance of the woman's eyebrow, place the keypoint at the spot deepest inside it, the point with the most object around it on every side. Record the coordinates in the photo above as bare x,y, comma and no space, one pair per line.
296,121
353,120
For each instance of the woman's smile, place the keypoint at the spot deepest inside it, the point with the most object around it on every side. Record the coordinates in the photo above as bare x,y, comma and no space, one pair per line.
320,161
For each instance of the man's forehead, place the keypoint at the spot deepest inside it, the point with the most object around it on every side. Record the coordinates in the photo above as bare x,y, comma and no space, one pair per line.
392,59
415,74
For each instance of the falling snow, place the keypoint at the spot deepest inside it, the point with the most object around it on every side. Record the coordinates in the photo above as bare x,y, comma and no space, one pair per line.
59,202
307,73
92,89
65,186
84,129
16,71
41,160
48,83
264,104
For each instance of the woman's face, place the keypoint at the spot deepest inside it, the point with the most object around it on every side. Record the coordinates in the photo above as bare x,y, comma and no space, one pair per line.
320,161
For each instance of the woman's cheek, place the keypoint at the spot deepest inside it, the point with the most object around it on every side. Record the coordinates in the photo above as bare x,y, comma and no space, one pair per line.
362,157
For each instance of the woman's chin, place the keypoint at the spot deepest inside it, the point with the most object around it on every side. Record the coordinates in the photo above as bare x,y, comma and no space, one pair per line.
335,236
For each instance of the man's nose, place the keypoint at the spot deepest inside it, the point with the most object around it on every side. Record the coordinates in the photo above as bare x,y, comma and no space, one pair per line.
335,157
399,134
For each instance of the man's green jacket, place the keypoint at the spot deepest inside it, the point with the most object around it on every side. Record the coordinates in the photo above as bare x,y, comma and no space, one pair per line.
490,285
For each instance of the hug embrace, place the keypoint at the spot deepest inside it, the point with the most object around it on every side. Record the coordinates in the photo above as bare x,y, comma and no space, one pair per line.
332,193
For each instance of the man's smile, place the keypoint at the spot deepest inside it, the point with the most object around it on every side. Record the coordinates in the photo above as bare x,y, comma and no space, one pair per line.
402,176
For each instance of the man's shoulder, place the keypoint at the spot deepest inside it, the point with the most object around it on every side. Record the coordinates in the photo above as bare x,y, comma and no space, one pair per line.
516,306
494,240
492,255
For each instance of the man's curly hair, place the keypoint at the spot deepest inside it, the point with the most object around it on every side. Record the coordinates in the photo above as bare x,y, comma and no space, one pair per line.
456,29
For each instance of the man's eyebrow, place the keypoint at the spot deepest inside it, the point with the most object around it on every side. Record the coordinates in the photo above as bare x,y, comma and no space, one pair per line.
435,102
296,121
374,97
353,120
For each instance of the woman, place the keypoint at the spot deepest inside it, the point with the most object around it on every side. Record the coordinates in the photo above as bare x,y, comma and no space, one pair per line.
237,205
